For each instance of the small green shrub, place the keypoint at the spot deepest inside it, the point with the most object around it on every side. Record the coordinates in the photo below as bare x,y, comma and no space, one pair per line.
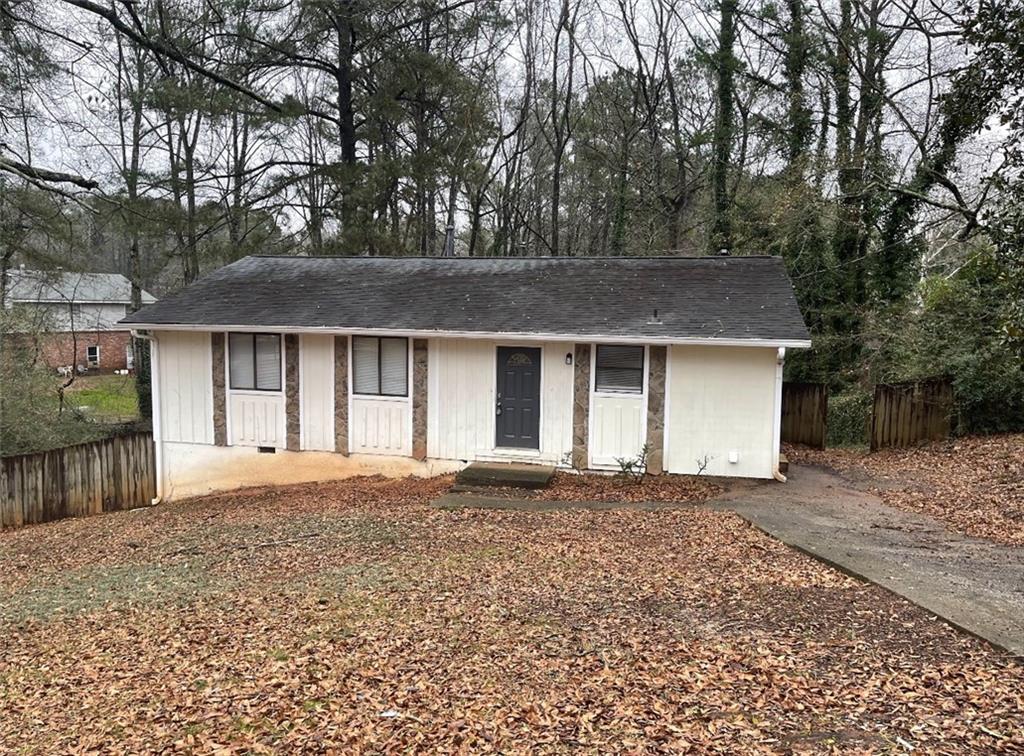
849,417
634,468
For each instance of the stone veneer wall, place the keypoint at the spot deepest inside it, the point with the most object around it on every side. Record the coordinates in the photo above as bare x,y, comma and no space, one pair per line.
419,399
220,417
581,406
293,414
658,356
341,394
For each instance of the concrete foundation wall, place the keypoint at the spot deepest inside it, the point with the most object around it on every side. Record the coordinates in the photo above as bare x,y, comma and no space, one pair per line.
197,469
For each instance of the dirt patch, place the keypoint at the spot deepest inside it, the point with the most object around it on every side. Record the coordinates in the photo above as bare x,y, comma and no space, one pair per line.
353,616
974,485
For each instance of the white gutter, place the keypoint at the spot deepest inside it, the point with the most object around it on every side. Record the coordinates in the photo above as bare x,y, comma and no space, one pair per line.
780,363
519,336
154,391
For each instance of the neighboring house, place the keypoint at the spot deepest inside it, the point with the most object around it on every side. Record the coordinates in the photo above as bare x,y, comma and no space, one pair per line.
75,316
284,369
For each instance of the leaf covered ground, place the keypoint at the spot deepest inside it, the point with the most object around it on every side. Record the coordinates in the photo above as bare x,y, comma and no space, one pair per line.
352,617
975,485
567,486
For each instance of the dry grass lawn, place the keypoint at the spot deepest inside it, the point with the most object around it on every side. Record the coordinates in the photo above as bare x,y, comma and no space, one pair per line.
351,616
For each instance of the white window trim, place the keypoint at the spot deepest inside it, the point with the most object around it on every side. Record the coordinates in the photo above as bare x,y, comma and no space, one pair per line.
229,392
352,397
594,394
612,393
380,397
89,360
252,392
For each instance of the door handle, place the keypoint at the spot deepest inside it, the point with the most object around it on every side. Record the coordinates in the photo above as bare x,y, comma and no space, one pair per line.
497,408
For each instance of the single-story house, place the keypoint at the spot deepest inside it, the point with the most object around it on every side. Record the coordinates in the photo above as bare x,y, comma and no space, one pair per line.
74,316
287,369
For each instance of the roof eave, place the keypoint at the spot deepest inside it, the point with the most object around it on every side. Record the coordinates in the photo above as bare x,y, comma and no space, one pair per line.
493,335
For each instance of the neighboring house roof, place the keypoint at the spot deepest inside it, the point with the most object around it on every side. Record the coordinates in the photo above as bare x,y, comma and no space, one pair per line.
725,298
40,286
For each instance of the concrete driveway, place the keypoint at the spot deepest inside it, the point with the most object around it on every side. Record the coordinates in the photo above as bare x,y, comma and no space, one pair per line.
974,584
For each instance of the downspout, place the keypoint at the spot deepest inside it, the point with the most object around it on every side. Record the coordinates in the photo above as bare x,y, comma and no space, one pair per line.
780,362
154,385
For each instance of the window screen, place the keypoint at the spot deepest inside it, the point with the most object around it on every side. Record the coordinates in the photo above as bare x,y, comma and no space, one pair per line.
620,368
380,366
255,361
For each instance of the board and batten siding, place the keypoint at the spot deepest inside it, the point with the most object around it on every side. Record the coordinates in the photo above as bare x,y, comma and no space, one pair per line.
186,387
618,422
256,419
721,400
316,376
462,377
617,428
381,425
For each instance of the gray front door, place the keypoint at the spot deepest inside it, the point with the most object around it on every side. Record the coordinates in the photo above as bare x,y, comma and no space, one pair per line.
517,408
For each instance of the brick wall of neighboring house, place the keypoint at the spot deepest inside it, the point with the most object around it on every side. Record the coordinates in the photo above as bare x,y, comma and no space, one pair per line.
59,349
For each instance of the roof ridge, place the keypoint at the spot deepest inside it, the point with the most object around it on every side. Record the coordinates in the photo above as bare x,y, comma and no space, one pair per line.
540,257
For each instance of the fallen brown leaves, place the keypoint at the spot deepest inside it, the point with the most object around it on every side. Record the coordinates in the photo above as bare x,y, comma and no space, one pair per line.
975,485
661,488
352,616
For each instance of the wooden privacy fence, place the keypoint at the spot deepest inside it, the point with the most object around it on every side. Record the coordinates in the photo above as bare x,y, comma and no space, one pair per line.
804,413
101,476
905,414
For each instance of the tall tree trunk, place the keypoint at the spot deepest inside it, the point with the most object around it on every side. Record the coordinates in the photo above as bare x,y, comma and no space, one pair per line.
725,64
800,127
845,232
560,113
345,35
132,165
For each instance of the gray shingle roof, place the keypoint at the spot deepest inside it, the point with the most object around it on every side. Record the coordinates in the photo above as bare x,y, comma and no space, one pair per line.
63,286
734,298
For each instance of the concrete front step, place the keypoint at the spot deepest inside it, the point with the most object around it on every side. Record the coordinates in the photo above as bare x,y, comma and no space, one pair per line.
504,475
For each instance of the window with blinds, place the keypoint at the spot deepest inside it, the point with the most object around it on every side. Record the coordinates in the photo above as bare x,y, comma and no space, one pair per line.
255,361
619,369
380,366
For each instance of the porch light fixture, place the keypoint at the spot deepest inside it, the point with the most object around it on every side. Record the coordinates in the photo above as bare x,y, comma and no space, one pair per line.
568,358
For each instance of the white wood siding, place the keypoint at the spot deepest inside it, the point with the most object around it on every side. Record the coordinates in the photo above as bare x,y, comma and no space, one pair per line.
462,379
379,425
186,387
256,419
617,428
721,400
316,374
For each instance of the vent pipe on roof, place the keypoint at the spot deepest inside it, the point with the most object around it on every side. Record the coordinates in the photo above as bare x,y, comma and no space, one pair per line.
449,241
